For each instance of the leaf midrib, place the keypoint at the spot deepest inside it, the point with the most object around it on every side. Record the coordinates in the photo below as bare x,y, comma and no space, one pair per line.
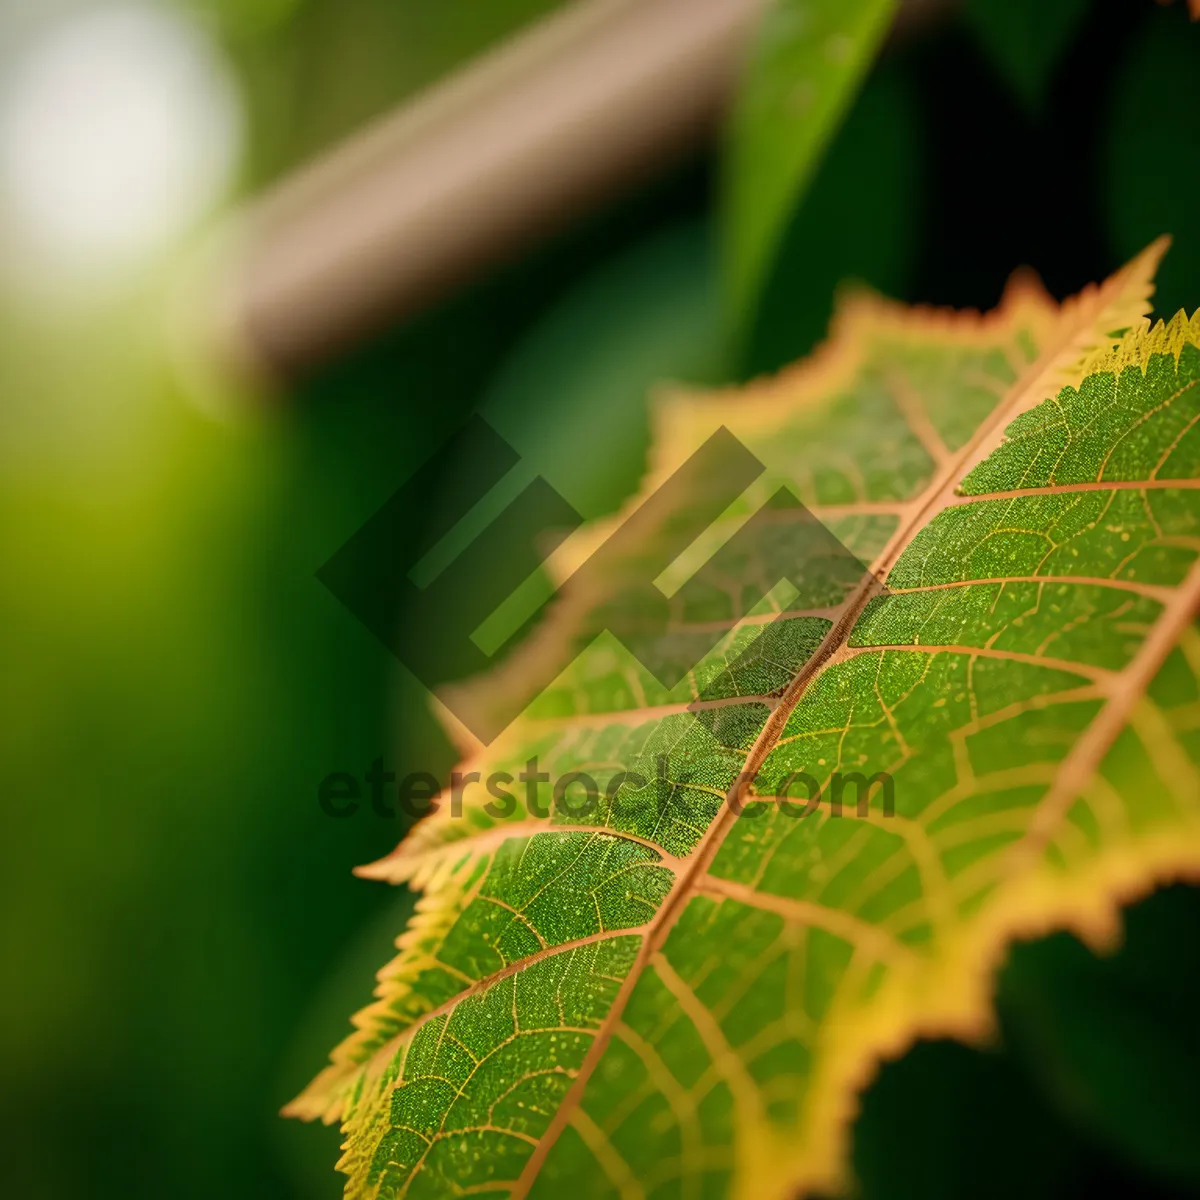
1076,328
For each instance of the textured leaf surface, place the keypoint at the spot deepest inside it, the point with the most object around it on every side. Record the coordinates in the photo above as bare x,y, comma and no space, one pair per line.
682,996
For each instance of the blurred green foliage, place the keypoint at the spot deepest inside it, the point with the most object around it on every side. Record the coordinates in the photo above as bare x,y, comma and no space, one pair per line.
572,397
859,223
805,66
315,71
177,683
1151,165
1025,40
1088,1089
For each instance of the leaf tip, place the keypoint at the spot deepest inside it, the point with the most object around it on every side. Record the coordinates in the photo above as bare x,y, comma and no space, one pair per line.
1153,254
1024,284
318,1102
382,870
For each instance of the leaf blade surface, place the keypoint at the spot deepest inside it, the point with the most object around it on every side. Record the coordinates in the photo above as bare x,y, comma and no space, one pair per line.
1030,492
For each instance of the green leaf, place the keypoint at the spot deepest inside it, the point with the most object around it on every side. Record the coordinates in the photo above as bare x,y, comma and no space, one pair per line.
572,398
687,987
860,219
806,65
1025,39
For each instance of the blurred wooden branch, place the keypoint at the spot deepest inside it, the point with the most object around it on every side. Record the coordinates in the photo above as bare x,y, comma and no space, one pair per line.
551,124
